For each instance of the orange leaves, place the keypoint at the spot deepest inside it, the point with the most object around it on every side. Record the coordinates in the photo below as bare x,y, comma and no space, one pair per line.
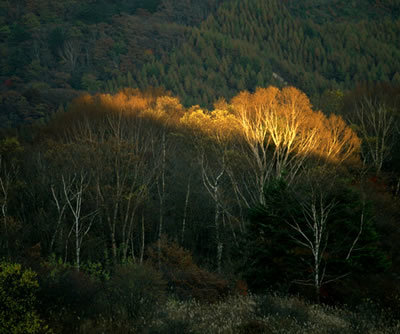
127,103
275,116
338,142
274,120
252,106
286,119
170,108
121,102
294,100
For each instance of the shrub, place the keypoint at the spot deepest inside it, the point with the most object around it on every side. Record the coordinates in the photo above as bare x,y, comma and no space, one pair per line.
134,296
184,277
18,302
67,297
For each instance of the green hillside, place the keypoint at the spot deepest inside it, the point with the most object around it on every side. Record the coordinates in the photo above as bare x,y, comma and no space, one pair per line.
199,50
245,42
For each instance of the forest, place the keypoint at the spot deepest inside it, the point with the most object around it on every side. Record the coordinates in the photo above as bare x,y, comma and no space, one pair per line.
190,166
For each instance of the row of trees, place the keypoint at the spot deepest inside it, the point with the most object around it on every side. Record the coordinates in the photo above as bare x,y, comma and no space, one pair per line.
116,172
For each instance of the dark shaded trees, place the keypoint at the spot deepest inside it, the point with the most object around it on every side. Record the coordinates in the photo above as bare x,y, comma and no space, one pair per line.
310,236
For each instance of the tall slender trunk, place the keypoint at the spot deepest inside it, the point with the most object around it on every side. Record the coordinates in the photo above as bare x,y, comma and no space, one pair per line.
76,210
4,187
185,209
161,194
113,244
4,214
111,224
217,231
212,186
317,281
61,211
77,246
142,250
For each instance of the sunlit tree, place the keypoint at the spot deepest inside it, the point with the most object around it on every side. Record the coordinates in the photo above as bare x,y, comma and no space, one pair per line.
214,131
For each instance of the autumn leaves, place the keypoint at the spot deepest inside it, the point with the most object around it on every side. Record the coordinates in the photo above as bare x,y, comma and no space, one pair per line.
263,135
281,120
277,132
278,128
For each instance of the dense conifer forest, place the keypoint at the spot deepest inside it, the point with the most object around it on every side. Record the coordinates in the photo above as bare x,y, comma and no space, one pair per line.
200,166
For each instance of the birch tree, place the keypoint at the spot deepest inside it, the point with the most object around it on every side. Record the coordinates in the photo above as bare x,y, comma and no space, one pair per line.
313,235
318,229
61,205
214,132
276,138
119,132
74,189
280,133
376,125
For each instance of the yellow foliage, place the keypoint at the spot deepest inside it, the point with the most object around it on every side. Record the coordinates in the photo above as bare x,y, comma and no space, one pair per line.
220,125
169,105
286,119
281,119
339,142
197,120
121,102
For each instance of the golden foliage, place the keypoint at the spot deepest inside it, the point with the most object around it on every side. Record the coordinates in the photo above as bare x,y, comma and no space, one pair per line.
338,142
122,102
220,125
281,120
285,119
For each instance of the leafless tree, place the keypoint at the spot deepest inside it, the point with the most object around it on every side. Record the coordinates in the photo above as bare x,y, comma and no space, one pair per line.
376,124
312,233
74,188
124,176
61,206
185,208
212,178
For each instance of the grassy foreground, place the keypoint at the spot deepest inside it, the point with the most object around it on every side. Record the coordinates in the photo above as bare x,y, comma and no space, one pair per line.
265,314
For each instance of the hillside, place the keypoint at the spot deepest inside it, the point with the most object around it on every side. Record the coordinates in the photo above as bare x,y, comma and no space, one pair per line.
49,50
200,51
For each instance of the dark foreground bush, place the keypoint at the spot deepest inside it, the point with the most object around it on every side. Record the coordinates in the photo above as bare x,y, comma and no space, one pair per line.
67,297
184,277
132,298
